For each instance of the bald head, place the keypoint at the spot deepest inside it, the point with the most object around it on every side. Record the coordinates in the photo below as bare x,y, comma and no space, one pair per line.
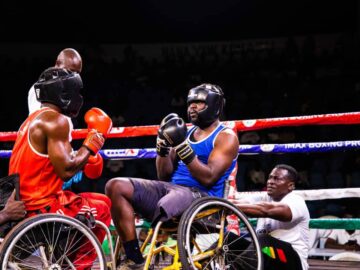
69,59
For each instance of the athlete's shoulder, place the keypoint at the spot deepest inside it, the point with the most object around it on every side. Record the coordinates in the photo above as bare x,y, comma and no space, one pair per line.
51,121
228,134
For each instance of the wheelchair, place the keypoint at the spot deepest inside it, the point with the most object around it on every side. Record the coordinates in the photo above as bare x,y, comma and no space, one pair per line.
51,241
211,234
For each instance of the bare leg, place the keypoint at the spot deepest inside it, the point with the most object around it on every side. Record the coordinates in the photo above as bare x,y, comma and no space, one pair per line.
120,191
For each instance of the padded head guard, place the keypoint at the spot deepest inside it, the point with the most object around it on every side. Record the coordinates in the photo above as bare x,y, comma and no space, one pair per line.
214,100
60,87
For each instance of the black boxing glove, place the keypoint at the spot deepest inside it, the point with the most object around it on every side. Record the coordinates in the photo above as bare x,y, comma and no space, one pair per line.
173,131
162,146
162,149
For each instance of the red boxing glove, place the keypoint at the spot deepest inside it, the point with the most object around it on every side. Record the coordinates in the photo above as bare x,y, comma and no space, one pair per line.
93,168
97,119
94,141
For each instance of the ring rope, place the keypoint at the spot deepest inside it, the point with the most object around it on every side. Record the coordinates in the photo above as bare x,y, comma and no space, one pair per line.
324,223
348,118
136,153
309,194
339,223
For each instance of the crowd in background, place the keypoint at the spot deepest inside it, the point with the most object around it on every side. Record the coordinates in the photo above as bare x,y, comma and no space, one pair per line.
299,78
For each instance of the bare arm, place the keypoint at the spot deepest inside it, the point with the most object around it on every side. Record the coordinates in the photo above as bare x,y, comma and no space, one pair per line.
165,166
50,135
332,243
13,210
278,211
225,151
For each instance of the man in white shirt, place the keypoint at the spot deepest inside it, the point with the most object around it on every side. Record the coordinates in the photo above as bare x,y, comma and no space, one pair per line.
69,59
344,239
283,224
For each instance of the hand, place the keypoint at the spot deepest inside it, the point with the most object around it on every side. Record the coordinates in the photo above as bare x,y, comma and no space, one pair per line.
14,210
97,119
162,149
172,130
162,146
93,168
94,141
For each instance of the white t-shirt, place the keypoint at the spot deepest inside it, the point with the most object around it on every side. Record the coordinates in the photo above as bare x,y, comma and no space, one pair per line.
342,236
295,232
33,103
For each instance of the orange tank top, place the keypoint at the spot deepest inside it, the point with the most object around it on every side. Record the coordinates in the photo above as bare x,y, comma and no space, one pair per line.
38,181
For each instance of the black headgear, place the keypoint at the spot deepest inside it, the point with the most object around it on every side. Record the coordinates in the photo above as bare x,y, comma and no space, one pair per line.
214,100
60,87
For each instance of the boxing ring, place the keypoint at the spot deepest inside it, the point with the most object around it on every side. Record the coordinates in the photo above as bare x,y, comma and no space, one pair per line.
349,118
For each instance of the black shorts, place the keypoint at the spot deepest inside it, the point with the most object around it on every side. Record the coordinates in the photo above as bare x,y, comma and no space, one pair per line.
157,200
285,257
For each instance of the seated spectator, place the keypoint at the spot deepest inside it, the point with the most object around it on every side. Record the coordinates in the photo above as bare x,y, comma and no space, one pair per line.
344,239
318,236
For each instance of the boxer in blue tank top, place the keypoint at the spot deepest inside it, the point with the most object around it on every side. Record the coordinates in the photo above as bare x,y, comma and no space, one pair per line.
189,164
203,148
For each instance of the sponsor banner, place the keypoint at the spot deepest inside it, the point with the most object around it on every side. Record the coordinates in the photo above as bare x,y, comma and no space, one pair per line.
243,149
299,147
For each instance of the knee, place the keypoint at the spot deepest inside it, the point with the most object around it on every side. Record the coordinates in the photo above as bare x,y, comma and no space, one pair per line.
117,187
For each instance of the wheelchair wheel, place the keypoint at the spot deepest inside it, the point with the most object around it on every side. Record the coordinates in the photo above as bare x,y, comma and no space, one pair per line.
214,234
50,241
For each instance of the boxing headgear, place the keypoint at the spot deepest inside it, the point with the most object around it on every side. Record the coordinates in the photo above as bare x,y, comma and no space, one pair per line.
60,87
214,100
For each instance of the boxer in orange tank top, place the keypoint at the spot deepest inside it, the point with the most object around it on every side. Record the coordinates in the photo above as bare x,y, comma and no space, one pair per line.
44,158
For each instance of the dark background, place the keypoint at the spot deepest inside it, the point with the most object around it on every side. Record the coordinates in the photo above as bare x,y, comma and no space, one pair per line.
272,59
171,21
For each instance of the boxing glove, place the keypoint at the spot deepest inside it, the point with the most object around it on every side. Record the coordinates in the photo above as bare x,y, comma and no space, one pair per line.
94,141
97,119
173,132
162,149
94,166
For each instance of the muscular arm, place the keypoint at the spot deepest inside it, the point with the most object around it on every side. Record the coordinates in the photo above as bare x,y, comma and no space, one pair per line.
50,135
225,151
165,166
274,210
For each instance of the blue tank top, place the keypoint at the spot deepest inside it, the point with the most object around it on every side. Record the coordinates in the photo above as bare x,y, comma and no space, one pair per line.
202,149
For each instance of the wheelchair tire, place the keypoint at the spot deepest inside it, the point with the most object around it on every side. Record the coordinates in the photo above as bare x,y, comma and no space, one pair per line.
199,238
49,241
